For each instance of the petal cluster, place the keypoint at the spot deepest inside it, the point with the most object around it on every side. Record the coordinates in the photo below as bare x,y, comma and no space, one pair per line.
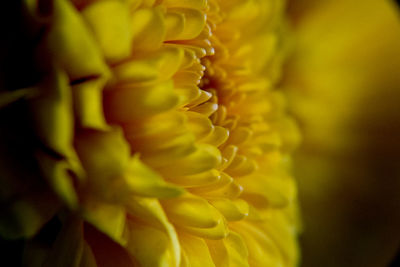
152,133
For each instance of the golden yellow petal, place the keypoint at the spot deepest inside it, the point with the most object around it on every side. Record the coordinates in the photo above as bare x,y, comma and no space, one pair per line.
142,181
233,210
148,28
159,65
204,158
72,45
194,4
151,246
108,218
127,103
194,21
192,211
109,21
230,251
195,252
151,212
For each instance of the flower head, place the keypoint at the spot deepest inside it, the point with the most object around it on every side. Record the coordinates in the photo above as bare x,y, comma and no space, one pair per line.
156,134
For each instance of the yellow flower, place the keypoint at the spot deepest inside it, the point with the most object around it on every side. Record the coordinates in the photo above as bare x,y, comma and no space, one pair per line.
148,133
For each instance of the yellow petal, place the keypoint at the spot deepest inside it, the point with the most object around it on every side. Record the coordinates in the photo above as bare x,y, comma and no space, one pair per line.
151,246
159,65
53,113
88,104
197,180
105,157
228,153
240,135
217,232
230,251
196,251
130,102
270,191
199,125
194,22
142,181
218,136
72,45
157,146
105,250
262,250
58,172
206,109
203,97
194,4
148,29
156,126
109,20
241,166
283,232
174,23
223,181
170,152
110,219
204,158
232,191
233,210
192,211
150,211
188,94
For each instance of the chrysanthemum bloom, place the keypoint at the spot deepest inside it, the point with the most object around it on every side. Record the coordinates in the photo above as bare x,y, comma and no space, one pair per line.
147,133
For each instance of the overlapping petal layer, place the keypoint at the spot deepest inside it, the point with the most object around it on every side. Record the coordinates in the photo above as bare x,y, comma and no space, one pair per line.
160,130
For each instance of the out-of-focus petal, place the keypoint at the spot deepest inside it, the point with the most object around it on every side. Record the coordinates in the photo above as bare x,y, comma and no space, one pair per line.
344,86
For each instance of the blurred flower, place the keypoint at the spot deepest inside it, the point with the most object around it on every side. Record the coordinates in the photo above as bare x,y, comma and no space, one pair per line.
147,133
344,87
